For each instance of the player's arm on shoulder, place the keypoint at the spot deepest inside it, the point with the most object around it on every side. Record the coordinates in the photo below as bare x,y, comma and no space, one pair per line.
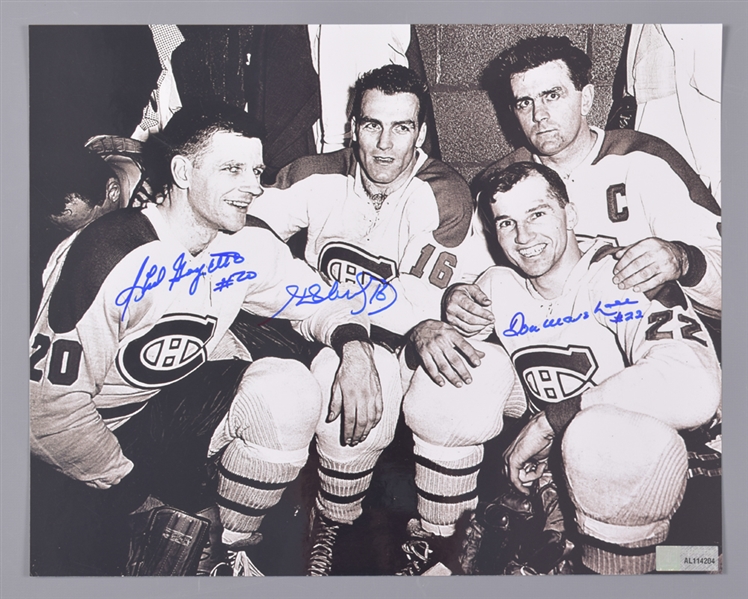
686,243
467,306
674,374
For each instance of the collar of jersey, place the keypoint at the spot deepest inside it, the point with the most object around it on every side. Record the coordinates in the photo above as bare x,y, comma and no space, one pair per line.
358,185
592,154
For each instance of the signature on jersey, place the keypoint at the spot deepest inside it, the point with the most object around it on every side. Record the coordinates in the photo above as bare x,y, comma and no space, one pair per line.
612,311
151,275
375,295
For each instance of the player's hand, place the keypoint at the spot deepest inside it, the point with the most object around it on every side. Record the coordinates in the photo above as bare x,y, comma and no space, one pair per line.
441,349
356,392
648,264
466,309
526,459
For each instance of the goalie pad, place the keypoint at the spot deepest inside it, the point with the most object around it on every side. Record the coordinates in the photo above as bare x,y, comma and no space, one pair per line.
166,542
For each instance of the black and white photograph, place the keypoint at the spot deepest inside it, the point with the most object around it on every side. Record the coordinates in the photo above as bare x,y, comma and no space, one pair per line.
375,300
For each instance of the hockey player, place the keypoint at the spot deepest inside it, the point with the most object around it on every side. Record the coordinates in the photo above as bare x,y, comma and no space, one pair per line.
628,186
616,371
127,397
382,212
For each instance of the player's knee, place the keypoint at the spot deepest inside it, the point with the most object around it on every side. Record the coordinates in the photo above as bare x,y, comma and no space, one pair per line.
469,415
626,474
324,367
277,405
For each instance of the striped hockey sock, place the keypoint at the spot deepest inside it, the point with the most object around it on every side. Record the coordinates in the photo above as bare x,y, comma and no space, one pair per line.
343,486
447,483
251,480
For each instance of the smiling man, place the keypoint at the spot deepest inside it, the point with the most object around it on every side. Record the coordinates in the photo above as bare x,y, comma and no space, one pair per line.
628,186
132,394
380,211
615,371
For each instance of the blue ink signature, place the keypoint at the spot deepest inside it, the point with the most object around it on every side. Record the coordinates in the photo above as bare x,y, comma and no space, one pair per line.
518,326
617,316
235,277
376,292
151,278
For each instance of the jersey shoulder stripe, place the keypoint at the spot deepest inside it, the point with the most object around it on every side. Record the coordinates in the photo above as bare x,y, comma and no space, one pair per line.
669,294
453,201
621,142
92,256
342,162
258,223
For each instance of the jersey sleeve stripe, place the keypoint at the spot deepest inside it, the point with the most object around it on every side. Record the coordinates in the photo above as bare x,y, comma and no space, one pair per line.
623,141
453,201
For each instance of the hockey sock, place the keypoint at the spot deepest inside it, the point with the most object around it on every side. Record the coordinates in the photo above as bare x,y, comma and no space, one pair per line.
343,486
447,483
251,480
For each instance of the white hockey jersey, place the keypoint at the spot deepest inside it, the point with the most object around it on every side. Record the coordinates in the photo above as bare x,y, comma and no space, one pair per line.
132,311
632,186
423,238
646,353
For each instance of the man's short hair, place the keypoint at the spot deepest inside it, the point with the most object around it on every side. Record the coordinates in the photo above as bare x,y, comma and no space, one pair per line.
504,180
75,172
533,52
188,133
391,79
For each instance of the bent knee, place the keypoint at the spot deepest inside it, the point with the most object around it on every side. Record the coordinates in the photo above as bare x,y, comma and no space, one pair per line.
277,404
626,473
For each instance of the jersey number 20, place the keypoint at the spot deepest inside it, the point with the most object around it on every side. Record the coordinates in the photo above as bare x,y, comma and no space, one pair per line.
64,362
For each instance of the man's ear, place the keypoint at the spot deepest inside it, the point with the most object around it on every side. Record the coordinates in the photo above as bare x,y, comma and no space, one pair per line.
588,96
113,192
181,171
354,136
421,135
572,218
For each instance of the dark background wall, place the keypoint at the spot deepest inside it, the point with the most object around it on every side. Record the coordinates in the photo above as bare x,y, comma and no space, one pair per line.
455,57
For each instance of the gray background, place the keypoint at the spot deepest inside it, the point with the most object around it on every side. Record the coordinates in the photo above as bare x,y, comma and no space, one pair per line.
451,98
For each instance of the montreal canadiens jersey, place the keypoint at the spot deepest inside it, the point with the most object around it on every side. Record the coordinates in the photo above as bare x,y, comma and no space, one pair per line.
423,238
632,186
614,346
132,311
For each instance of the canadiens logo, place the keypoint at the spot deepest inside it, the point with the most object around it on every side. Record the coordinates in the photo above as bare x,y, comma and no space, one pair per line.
345,263
552,374
166,353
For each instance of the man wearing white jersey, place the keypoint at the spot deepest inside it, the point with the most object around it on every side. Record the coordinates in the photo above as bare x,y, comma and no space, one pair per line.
128,394
383,219
628,186
612,373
